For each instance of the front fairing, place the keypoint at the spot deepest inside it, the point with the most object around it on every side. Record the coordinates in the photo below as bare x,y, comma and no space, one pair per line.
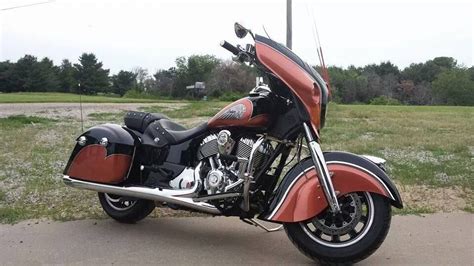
300,78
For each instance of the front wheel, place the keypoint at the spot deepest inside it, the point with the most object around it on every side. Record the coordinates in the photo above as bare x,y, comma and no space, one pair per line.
347,237
125,210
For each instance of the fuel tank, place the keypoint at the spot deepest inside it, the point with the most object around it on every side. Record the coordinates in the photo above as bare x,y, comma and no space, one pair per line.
103,154
251,111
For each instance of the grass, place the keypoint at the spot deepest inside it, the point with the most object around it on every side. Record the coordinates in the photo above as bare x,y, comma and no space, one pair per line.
56,97
107,116
428,149
192,109
17,121
422,144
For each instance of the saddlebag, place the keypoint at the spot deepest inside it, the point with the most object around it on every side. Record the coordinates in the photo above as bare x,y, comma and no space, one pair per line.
103,154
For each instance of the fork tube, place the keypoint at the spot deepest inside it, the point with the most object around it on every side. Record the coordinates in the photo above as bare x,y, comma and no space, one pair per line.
322,170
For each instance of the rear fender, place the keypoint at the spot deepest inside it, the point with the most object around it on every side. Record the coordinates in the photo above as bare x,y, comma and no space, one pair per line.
300,197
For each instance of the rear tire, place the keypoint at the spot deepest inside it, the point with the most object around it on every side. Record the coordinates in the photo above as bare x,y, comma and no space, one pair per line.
346,239
125,210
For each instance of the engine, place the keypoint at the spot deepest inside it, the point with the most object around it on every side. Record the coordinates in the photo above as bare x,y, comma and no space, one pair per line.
225,175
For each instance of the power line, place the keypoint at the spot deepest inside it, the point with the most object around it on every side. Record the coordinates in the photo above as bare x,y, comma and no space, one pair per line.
28,5
289,35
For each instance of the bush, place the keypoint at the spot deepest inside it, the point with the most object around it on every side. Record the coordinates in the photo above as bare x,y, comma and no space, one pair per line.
384,100
137,94
231,96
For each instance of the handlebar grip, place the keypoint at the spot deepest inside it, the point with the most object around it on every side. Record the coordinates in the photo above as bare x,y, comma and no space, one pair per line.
230,47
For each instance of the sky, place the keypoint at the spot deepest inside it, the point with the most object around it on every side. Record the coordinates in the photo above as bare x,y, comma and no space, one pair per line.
151,34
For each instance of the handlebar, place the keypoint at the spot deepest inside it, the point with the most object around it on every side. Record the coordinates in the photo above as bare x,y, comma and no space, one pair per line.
230,47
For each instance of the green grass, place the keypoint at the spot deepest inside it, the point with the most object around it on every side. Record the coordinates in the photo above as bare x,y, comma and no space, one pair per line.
17,121
107,116
10,215
428,147
192,109
52,97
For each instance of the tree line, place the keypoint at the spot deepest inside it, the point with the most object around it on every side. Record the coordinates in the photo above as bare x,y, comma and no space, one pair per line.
438,81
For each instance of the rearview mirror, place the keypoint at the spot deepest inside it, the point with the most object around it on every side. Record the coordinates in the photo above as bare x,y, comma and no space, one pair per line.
240,30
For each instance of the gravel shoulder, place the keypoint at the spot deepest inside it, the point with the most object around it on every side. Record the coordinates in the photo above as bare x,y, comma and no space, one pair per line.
438,239
72,110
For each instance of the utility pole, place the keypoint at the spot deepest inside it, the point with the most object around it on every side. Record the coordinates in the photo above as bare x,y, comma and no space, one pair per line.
289,36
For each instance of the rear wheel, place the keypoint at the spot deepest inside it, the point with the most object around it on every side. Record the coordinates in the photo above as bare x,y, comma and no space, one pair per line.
125,210
347,237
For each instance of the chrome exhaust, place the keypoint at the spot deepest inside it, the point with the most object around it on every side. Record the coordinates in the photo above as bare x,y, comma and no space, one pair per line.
177,197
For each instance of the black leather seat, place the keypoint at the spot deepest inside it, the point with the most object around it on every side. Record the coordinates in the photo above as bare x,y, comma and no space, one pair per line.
179,133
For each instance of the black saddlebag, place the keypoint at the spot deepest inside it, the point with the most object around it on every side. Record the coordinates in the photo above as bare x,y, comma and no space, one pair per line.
102,154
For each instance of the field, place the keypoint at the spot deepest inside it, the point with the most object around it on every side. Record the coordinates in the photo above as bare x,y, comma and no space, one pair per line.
57,97
430,153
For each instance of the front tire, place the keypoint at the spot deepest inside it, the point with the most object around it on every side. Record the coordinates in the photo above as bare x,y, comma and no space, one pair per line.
348,237
125,210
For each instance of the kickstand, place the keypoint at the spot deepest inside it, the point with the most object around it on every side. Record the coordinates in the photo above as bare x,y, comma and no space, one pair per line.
258,224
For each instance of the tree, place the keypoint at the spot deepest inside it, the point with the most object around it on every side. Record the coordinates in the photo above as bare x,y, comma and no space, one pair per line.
232,77
429,70
454,87
123,81
384,68
67,80
21,73
165,81
90,74
192,69
44,76
141,75
6,84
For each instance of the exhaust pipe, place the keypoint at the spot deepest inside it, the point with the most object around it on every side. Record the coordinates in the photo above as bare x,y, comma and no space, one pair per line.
155,194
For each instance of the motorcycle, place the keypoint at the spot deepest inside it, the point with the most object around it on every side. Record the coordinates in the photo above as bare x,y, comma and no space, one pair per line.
334,206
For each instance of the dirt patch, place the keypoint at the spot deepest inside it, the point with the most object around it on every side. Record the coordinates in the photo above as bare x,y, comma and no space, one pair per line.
447,199
72,110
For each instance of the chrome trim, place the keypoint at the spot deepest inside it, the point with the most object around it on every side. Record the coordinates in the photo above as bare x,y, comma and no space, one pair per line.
248,175
82,140
179,196
104,142
374,159
217,196
259,224
236,183
252,154
322,170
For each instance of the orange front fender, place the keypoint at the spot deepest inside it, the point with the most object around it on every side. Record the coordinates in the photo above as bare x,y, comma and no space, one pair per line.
304,197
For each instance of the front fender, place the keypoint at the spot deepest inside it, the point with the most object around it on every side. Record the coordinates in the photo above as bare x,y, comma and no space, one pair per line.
300,197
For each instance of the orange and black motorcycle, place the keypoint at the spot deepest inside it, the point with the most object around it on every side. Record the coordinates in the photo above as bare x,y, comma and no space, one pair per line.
334,206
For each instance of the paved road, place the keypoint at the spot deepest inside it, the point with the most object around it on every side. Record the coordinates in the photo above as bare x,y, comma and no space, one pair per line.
440,239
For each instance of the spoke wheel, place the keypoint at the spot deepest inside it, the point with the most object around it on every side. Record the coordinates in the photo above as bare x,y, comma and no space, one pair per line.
125,210
119,203
346,227
346,237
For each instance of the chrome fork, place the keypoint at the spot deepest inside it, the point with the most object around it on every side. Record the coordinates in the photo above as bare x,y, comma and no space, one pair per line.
322,170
